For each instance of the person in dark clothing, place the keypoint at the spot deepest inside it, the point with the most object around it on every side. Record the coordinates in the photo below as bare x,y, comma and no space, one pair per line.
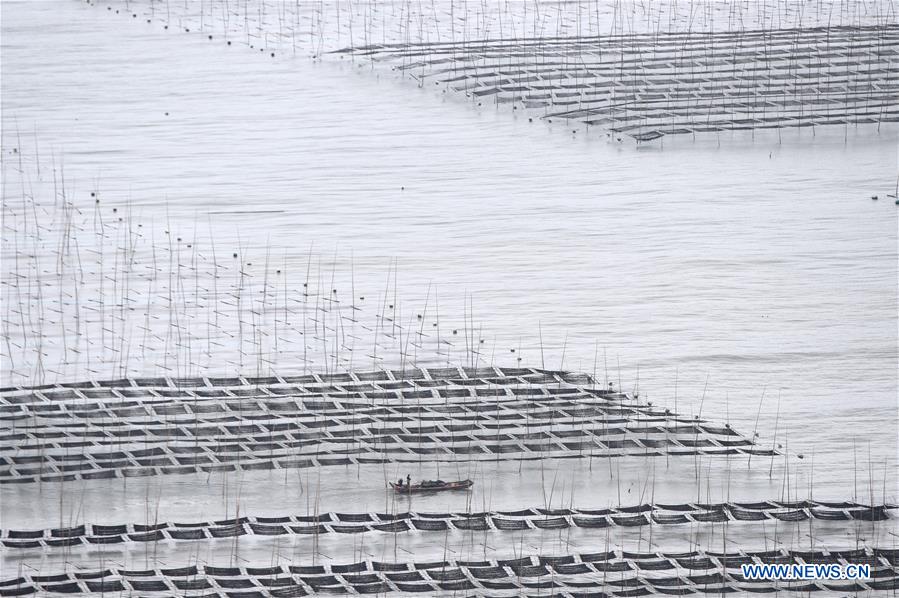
408,480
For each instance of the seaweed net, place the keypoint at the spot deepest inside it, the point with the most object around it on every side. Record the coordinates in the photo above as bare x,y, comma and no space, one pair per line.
524,519
652,84
610,573
150,426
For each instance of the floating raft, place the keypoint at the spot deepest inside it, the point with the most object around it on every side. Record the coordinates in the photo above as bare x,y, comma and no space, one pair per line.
523,519
157,426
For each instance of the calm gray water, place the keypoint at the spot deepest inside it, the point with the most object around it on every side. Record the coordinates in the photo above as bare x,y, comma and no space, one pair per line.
738,265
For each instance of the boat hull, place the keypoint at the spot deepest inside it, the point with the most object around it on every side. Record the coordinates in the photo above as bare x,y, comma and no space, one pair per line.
418,488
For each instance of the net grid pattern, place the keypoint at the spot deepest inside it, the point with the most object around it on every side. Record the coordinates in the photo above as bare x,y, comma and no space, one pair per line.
140,427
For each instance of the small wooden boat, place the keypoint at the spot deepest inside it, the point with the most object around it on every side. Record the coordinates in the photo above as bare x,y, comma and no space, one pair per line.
431,486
